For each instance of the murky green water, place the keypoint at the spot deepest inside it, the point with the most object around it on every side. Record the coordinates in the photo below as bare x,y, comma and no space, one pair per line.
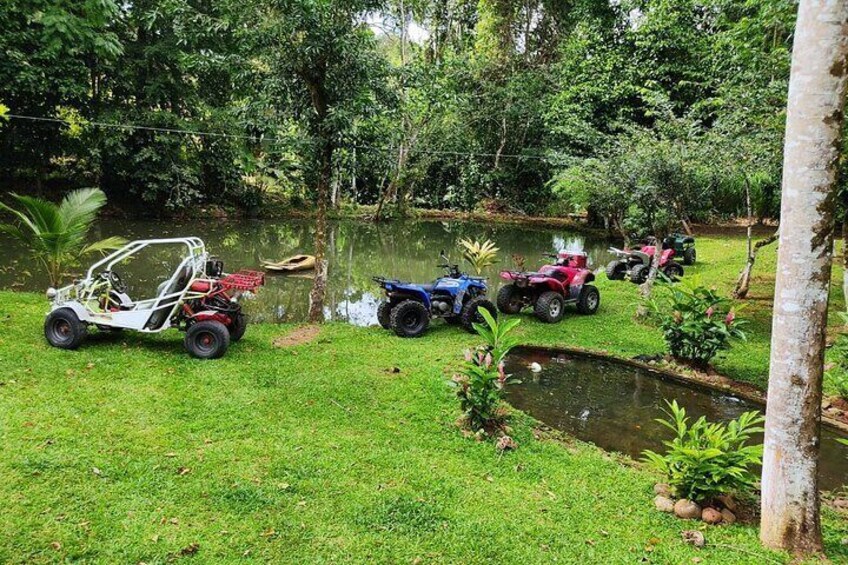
615,406
357,251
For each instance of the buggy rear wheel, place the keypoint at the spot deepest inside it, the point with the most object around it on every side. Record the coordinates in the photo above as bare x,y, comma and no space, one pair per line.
471,312
384,314
238,326
689,256
589,299
639,273
207,340
410,319
673,271
63,329
616,270
509,299
549,307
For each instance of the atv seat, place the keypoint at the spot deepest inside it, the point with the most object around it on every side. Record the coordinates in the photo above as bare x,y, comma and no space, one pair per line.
164,309
427,287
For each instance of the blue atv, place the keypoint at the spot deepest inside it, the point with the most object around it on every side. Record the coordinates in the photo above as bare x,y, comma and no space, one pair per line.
456,297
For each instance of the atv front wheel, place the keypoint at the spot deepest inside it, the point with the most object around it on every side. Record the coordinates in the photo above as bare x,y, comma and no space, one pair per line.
616,270
509,300
550,307
673,271
639,273
409,319
384,315
589,300
238,326
207,340
63,329
471,312
689,256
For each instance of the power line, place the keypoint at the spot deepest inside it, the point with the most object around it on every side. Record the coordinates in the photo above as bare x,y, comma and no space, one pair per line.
243,137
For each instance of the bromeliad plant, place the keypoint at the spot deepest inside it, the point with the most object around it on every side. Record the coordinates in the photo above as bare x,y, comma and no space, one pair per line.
696,322
707,459
479,254
56,235
481,383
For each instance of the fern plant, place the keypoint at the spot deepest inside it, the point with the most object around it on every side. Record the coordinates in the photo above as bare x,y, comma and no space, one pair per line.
707,459
56,234
479,254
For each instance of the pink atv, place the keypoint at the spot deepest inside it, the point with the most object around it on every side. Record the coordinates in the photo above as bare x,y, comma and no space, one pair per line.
635,264
551,288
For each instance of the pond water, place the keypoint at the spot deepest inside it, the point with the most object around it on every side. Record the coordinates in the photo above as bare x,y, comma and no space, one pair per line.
357,251
615,406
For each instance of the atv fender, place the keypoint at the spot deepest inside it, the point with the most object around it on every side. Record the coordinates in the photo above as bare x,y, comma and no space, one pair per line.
413,293
78,309
582,278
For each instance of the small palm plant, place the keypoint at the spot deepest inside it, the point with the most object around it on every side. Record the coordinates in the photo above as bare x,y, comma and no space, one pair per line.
479,255
56,233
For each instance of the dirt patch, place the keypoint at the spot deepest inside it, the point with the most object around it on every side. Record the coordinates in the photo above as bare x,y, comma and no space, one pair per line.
298,336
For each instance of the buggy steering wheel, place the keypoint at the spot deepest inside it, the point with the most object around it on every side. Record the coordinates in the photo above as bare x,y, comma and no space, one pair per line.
115,281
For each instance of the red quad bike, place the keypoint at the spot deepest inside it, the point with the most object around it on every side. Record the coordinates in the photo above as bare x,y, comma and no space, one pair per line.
635,264
551,288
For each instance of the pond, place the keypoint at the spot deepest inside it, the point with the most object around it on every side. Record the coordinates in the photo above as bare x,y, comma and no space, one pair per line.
357,251
615,405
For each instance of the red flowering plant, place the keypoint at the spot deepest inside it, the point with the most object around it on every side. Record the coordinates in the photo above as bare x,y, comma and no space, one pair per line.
481,383
696,322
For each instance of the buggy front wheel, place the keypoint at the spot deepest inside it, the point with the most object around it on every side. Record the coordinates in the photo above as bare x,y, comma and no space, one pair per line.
471,312
238,326
207,340
63,329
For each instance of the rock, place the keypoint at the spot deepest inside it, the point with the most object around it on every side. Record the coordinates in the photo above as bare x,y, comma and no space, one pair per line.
727,516
663,503
728,502
694,537
711,516
662,489
687,509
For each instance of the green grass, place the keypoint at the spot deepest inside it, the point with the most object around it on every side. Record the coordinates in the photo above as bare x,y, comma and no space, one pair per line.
129,451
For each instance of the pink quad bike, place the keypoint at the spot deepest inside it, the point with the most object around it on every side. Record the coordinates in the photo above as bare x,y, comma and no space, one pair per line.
635,264
551,288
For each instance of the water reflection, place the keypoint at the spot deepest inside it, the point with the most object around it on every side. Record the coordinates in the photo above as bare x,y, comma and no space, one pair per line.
616,406
357,251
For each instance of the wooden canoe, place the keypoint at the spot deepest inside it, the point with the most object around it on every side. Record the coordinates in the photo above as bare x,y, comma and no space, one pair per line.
291,265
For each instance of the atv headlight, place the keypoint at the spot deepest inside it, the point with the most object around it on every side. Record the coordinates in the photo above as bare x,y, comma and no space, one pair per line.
51,293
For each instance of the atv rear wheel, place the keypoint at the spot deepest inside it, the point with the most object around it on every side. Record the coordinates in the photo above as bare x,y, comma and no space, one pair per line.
471,315
207,340
384,314
409,319
616,270
509,300
238,326
63,329
673,271
639,273
689,256
589,299
549,307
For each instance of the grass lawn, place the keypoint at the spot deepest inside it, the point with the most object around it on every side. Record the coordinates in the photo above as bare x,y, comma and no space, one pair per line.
129,451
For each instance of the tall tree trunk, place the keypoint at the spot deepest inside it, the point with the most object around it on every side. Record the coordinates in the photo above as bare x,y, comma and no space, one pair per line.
647,287
790,497
319,286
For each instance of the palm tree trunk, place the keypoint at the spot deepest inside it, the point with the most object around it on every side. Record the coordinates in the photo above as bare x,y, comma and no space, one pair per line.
817,86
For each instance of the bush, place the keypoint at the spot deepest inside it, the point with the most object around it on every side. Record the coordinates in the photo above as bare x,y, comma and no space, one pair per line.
481,383
696,323
838,375
707,459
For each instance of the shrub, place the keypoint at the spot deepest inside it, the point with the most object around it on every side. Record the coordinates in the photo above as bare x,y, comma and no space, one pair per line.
479,254
707,459
481,383
838,374
696,322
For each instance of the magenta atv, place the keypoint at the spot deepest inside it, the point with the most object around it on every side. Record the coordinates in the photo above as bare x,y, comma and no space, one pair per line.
551,288
635,264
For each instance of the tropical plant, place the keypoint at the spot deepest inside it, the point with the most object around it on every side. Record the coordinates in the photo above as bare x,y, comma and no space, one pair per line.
481,383
479,254
56,234
696,322
706,459
838,374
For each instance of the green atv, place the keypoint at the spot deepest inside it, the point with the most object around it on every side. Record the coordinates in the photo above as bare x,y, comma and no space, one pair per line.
683,245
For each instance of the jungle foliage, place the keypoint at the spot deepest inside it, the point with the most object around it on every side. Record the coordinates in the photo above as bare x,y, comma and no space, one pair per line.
638,112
